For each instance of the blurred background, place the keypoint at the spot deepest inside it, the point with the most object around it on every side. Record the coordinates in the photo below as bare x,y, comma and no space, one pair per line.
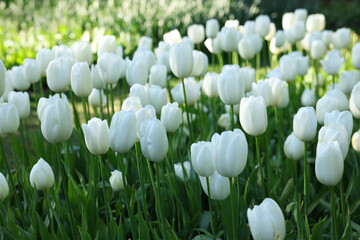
29,25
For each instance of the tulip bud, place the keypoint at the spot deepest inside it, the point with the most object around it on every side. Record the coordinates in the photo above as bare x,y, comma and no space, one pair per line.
340,118
327,36
308,98
192,90
293,147
280,38
300,14
62,51
122,132
31,70
158,97
158,75
341,38
249,28
58,73
264,89
247,48
334,133
143,114
230,87
172,37
288,67
271,33
171,116
116,180
106,44
21,100
355,140
329,164
57,121
81,81
82,52
332,62
145,42
9,119
131,103
153,140
142,92
347,81
201,64
18,80
267,221
247,75
355,55
109,67
219,186
43,58
315,22
333,100
96,133
212,28
147,56
253,115
179,170
302,65
181,60
262,25
280,93
354,110
8,86
209,85
288,20
305,124
163,59
228,39
2,78
41,175
4,187
98,83
196,33
94,98
202,158
297,30
224,120
230,150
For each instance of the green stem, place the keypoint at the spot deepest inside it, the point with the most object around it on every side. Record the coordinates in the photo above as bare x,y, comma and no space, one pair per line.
342,202
76,115
260,166
107,101
41,88
85,109
101,104
210,207
142,183
104,189
234,222
333,212
187,110
221,61
232,117
112,98
305,180
35,95
235,58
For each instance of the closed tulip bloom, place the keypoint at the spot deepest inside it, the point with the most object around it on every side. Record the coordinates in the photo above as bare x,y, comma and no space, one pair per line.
230,87
347,81
302,65
297,30
62,51
8,86
172,37
145,42
301,14
43,58
196,33
147,56
329,164
318,49
158,75
98,83
153,140
4,187
224,120
143,114
228,39
119,51
341,38
212,28
332,62
355,140
18,79
230,150
280,38
264,89
253,115
219,186
354,110
209,84
247,48
293,147
96,133
107,44
9,119
31,70
179,170
158,97
58,73
116,181
181,60
290,38
44,102
201,63
142,92
308,98
81,81
57,121
305,123
334,133
249,28
171,116
163,58
355,56
2,78
271,32
131,103
262,25
109,67
82,52
340,118
202,158
315,22
288,67
94,98
266,221
192,89
288,20
355,94
122,132
280,93
247,75
327,36
232,23
41,175
21,100
333,100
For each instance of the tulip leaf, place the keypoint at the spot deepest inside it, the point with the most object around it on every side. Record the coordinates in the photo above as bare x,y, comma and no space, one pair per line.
317,230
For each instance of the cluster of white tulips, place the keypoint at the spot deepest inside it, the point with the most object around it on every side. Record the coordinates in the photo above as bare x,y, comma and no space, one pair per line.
166,122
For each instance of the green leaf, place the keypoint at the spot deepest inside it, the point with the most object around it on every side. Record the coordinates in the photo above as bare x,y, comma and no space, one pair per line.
317,230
